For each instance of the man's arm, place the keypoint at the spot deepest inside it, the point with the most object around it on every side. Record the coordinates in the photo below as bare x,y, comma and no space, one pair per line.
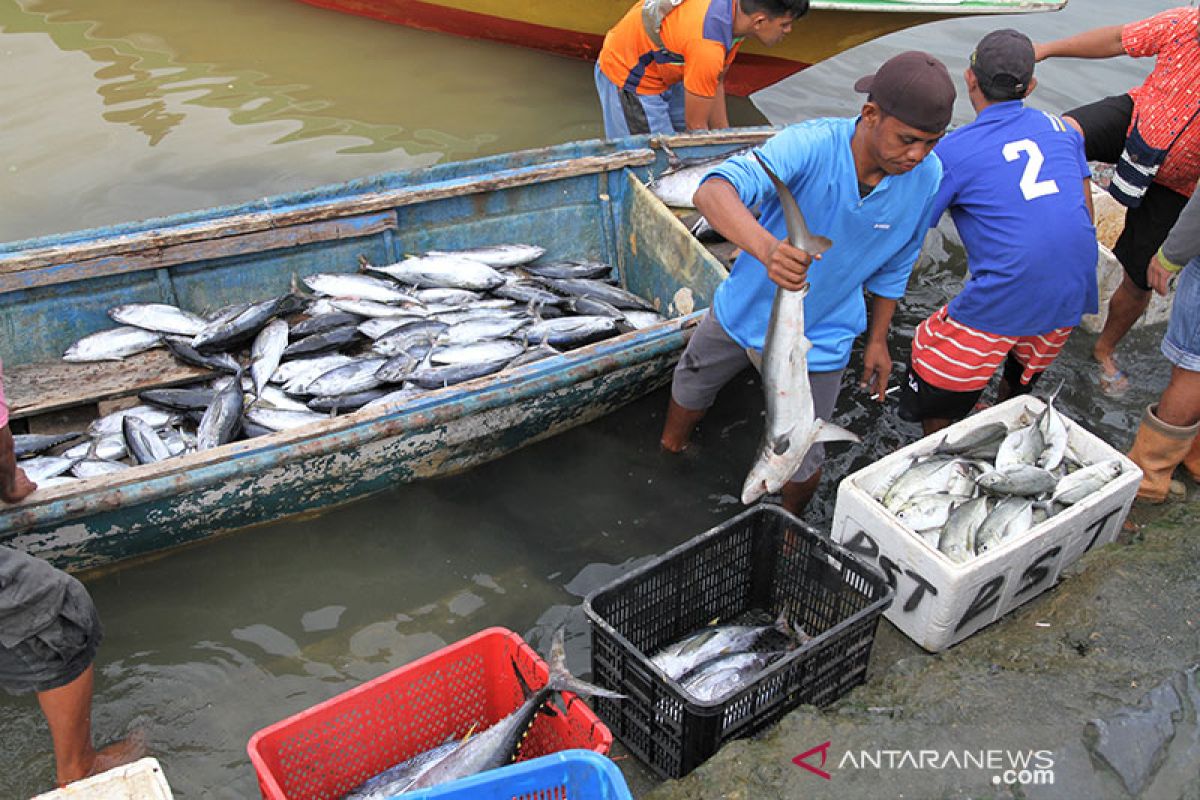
697,111
1098,43
877,361
1181,246
718,117
15,486
720,204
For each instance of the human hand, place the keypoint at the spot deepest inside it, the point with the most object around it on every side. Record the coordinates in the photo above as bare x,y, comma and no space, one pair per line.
877,368
1039,52
1158,276
20,487
787,266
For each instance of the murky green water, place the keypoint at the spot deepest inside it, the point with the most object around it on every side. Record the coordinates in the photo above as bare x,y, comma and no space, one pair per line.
116,110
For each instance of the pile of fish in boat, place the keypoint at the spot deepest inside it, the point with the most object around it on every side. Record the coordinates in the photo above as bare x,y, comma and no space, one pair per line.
990,484
354,340
719,660
495,747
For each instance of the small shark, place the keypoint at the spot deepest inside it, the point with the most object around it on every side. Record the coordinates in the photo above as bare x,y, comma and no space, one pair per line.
792,425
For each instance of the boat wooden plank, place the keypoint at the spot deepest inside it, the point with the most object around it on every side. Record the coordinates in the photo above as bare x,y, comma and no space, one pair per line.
166,255
38,388
72,254
734,136
655,234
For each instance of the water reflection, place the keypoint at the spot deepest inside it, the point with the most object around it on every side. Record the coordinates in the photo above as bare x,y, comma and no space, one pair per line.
149,81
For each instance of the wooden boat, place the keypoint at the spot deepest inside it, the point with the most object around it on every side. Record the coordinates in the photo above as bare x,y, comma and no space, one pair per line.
582,200
577,29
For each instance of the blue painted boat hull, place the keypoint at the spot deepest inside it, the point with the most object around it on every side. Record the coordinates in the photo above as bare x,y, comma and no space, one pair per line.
581,200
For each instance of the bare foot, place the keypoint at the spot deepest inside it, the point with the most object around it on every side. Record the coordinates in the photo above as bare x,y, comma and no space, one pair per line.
672,446
1113,380
120,753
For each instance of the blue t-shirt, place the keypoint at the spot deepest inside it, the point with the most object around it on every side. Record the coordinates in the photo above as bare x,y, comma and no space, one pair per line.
1014,185
876,239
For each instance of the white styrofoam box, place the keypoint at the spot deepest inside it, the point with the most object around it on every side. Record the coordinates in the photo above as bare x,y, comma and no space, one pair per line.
938,602
141,780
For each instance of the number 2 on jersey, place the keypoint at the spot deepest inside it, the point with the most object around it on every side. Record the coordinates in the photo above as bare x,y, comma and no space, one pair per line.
1031,187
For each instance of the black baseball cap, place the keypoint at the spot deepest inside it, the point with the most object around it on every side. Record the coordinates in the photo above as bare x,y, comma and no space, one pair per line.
915,88
1003,63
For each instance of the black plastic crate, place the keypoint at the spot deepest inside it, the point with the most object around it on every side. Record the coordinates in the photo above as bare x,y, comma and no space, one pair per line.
763,561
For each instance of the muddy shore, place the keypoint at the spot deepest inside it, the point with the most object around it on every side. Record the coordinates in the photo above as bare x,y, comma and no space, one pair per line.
1097,678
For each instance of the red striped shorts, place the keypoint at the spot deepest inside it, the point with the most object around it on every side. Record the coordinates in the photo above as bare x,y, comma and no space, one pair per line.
958,358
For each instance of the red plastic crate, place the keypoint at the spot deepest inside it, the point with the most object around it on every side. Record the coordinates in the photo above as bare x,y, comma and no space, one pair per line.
325,751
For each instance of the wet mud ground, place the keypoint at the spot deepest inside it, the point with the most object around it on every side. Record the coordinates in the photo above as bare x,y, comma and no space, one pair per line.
1118,641
1100,674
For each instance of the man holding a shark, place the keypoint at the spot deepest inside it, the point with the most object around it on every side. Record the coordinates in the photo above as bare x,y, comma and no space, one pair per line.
866,187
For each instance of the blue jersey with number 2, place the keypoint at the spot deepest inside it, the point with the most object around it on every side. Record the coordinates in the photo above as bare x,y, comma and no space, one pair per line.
1014,181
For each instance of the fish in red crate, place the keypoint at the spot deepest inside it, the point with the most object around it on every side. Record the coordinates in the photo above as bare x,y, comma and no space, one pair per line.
493,748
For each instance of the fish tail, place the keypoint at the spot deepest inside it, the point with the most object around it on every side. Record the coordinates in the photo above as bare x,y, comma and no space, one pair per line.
561,679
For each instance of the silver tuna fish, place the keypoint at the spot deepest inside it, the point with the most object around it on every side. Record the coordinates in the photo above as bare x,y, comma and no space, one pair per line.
723,676
447,272
28,444
376,309
357,287
95,467
680,658
278,419
40,468
158,317
266,352
569,331
112,423
110,447
223,418
492,350
497,745
143,442
357,376
497,255
114,344
676,185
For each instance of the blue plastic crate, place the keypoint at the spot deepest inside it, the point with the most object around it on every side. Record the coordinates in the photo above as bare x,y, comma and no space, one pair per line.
566,775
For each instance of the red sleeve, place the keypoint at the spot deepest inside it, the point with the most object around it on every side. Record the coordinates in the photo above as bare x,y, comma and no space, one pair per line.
1148,36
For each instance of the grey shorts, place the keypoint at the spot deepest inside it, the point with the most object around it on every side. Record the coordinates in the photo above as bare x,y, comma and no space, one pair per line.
57,650
712,358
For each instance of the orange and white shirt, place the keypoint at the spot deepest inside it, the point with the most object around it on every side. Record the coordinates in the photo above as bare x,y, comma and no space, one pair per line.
700,46
1170,96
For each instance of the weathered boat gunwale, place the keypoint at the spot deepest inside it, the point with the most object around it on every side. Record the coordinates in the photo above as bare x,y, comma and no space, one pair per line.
71,261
